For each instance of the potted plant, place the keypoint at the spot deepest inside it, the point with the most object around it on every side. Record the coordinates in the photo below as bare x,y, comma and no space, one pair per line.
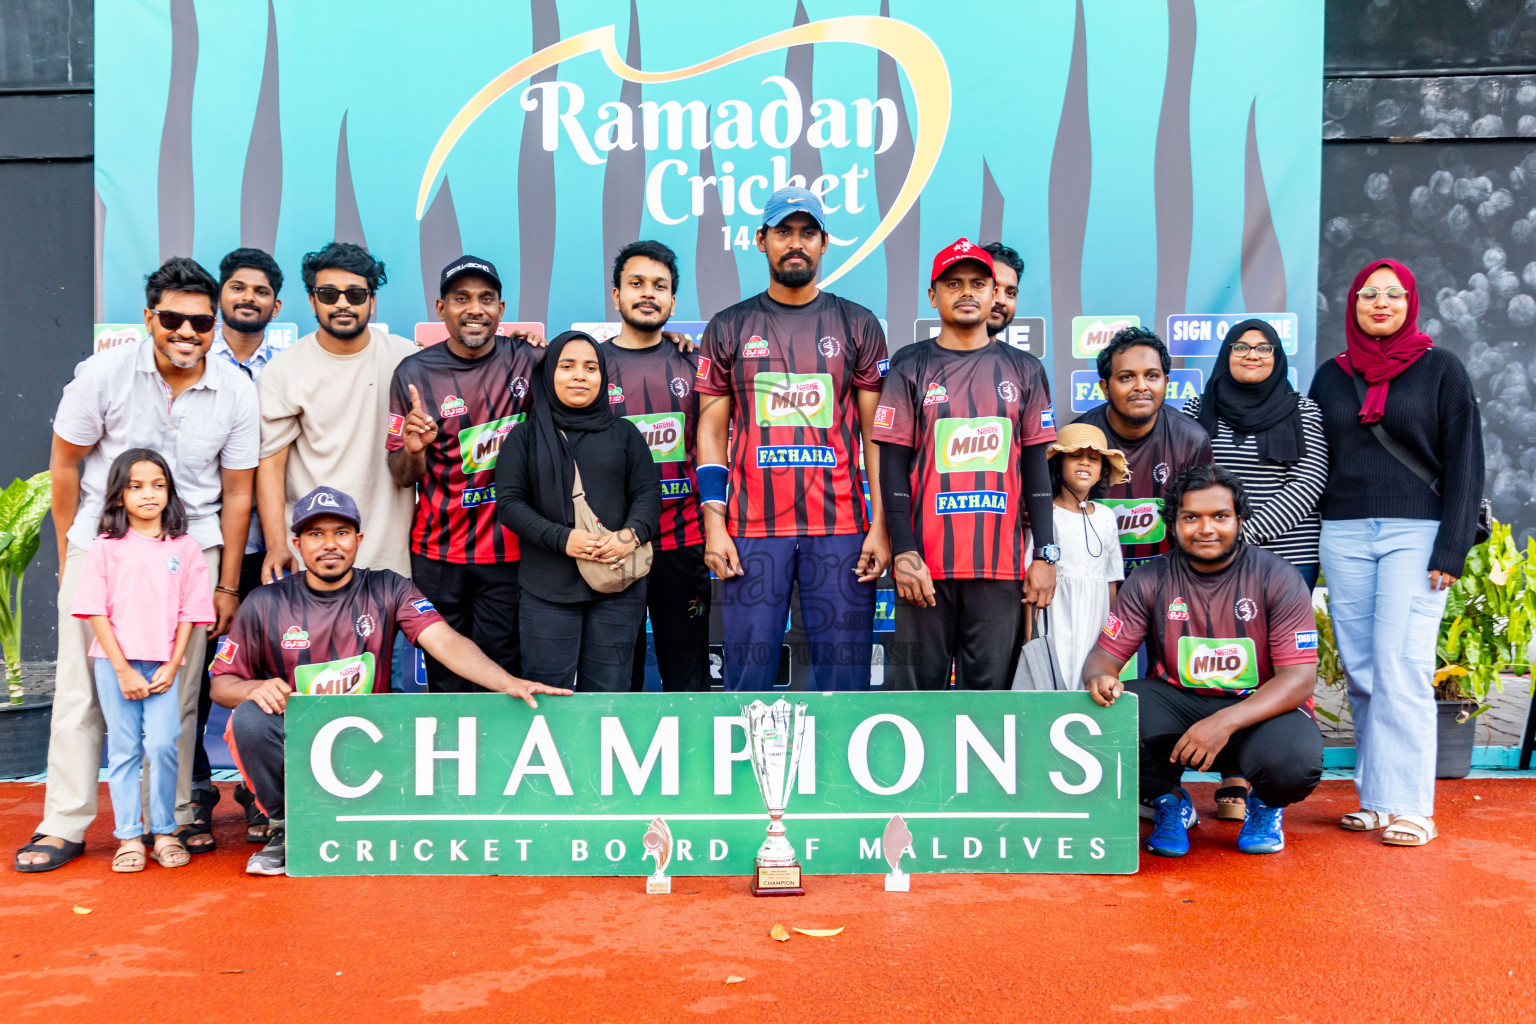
23,726
1485,632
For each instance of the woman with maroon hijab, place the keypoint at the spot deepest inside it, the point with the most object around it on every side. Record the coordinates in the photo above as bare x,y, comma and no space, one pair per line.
1392,544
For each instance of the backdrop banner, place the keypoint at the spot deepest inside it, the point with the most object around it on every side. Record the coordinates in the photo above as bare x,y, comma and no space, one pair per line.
455,784
1158,158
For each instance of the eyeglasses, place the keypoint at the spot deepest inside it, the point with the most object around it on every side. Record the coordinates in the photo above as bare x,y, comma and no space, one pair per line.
1242,348
328,294
1368,294
171,320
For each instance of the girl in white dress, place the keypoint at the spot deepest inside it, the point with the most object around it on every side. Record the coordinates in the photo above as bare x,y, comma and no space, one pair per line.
1083,467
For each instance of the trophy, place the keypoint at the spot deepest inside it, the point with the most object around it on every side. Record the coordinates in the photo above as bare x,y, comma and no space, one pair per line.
893,844
658,843
774,735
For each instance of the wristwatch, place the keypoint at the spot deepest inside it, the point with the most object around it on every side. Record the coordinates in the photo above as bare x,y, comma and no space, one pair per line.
1050,554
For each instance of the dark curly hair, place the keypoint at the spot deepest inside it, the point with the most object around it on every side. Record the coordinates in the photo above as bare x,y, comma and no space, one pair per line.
1098,490
650,250
344,256
1201,478
1130,337
252,259
1007,255
180,274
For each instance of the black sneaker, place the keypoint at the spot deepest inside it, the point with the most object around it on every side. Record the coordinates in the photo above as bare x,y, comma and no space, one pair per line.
271,859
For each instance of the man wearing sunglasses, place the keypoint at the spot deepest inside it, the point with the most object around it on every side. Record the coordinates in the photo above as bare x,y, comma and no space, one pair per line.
325,414
201,415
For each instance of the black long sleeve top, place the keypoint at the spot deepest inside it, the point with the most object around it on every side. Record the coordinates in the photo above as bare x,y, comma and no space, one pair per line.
622,486
1432,412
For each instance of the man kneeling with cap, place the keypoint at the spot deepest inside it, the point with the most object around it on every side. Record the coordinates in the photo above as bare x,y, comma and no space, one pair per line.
330,630
1232,649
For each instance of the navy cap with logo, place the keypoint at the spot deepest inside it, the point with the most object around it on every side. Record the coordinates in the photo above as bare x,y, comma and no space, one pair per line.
790,200
325,501
468,265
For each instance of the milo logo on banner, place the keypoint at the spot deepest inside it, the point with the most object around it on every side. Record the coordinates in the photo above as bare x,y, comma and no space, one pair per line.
663,433
978,445
1139,520
794,399
345,675
480,444
1092,334
1218,664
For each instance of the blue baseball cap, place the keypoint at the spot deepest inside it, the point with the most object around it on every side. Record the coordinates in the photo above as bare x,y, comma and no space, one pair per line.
325,501
790,200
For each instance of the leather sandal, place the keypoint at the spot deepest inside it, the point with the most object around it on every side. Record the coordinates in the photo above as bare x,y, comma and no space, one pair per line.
1365,821
171,854
57,856
129,859
1232,803
1412,830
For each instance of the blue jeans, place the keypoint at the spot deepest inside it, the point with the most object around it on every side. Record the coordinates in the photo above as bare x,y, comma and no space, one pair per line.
836,611
136,730
1385,621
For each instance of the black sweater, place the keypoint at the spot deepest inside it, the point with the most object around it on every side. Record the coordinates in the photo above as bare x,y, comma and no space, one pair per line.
1432,412
622,485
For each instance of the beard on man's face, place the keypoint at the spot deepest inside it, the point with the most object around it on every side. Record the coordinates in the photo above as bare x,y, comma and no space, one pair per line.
793,277
643,316
245,317
346,332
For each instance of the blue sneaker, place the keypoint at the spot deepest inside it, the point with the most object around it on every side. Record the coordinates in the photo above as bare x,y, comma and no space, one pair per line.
1263,828
1173,813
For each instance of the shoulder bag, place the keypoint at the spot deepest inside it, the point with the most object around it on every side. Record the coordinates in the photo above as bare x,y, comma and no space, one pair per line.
600,576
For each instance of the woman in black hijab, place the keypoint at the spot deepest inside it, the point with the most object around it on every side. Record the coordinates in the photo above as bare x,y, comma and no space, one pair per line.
569,631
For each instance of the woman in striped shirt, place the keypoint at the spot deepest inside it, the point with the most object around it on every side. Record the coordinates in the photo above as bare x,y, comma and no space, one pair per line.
1272,438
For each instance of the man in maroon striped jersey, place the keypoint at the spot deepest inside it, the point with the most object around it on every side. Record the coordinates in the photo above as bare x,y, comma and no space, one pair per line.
450,407
650,383
1233,644
792,377
963,425
326,630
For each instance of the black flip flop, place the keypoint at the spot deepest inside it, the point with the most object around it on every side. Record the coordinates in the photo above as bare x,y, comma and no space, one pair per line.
57,856
204,800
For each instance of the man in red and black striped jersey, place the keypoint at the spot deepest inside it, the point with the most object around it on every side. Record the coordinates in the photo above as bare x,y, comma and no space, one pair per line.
963,424
650,383
792,377
1133,371
1233,645
327,630
451,406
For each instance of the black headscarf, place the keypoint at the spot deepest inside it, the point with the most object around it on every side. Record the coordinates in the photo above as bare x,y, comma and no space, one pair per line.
554,464
1267,408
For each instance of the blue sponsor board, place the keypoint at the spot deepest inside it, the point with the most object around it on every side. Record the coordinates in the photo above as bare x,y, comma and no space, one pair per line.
1182,386
476,496
679,488
1201,334
792,455
950,502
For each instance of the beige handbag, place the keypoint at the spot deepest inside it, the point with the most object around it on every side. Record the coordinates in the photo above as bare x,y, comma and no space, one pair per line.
600,576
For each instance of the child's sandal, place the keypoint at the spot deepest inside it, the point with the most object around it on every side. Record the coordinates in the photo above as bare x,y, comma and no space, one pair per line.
129,858
171,854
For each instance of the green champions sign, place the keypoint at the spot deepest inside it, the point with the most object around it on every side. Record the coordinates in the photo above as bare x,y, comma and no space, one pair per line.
481,784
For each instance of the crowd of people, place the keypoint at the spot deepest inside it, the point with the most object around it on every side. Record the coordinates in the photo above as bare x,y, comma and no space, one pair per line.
385,498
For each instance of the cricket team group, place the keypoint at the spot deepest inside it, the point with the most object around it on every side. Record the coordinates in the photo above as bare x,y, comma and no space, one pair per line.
244,527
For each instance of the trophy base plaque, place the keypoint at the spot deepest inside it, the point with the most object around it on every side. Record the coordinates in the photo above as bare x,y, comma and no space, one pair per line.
898,883
658,885
777,881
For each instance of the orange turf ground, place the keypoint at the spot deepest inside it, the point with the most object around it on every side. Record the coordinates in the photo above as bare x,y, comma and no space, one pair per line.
1336,928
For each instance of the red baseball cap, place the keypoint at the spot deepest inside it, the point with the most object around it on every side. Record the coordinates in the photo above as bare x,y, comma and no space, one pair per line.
960,249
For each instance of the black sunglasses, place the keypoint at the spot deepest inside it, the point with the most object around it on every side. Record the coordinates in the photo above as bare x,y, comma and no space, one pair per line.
328,294
171,320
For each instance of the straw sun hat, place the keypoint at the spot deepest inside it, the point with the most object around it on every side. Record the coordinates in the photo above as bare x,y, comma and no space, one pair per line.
1074,437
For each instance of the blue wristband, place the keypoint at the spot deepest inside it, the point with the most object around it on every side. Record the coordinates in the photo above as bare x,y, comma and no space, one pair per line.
712,483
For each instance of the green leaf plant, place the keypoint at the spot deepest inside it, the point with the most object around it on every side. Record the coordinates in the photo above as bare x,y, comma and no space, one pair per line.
22,507
1486,629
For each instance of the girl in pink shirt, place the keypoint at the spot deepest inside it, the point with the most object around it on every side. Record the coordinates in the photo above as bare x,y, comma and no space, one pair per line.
143,585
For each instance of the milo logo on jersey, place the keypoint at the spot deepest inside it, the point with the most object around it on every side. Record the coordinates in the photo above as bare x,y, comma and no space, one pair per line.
1219,664
978,445
480,444
1139,520
794,399
663,433
345,675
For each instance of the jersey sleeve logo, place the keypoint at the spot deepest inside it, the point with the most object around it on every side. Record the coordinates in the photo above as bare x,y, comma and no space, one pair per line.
423,606
703,370
885,416
1112,626
1306,640
1048,418
396,424
884,366
226,653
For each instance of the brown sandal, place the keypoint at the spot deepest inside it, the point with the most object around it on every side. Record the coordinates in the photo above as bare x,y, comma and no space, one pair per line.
128,858
171,854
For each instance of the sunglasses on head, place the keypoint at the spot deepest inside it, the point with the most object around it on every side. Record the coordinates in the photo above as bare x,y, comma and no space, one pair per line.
171,320
328,294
